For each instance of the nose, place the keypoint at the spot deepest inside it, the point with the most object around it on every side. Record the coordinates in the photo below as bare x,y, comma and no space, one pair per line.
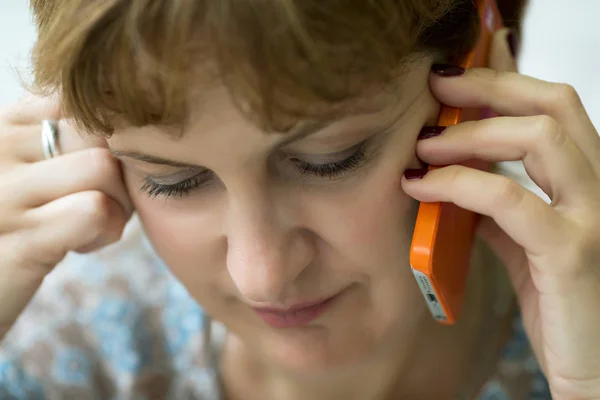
266,252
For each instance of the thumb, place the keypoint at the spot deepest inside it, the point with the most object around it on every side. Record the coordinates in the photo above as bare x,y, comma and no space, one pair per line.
504,50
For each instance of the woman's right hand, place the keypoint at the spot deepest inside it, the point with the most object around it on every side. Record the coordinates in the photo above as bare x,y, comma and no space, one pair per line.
74,202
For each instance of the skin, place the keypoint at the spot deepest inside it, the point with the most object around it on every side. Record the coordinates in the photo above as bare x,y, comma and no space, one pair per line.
259,233
265,235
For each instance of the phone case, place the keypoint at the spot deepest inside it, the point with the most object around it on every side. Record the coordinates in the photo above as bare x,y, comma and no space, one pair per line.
444,233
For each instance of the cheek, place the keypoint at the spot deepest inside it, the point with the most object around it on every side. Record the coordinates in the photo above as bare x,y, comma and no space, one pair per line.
366,235
187,238
370,227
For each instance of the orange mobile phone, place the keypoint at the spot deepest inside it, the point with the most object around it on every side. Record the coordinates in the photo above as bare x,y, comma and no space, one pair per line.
444,233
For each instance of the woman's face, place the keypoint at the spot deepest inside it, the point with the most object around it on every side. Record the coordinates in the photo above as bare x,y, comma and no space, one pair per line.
261,227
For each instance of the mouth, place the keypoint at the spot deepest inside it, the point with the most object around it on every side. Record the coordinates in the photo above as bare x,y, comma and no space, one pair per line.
297,316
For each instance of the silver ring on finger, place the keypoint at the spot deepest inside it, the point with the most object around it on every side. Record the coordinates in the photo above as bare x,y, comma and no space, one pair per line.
50,138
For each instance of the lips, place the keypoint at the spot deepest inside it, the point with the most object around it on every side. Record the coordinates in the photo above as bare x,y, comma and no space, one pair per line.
296,316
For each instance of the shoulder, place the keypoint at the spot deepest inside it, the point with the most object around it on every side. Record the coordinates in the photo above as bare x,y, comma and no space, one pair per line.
108,324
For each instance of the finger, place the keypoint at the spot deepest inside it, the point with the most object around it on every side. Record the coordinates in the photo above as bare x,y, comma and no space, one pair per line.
526,218
81,221
550,157
43,182
30,108
512,94
513,258
24,142
507,250
86,221
501,57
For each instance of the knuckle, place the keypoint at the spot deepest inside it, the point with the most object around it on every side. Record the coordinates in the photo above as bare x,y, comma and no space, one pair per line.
454,172
549,131
509,193
95,208
565,94
455,175
99,160
103,216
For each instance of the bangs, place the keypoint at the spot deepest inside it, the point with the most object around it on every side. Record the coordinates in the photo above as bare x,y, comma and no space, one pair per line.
138,62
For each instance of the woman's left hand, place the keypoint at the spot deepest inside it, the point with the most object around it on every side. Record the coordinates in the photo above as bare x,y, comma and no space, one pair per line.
551,251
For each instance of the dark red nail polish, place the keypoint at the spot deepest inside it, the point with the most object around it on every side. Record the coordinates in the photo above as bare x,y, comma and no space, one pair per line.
447,70
418,173
430,131
513,42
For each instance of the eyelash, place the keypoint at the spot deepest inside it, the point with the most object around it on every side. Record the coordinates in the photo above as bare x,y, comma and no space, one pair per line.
332,171
153,189
336,169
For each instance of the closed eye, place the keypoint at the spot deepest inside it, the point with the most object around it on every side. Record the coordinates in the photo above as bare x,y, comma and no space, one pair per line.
333,170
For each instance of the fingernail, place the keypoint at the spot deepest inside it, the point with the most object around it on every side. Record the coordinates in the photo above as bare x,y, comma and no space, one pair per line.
447,70
412,174
513,42
430,131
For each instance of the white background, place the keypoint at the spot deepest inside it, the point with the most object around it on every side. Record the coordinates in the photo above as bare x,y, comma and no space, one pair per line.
16,37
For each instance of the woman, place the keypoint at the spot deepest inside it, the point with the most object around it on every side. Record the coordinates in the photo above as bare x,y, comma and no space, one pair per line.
269,151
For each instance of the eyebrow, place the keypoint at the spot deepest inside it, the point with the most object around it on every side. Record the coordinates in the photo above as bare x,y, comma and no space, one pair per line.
299,132
296,133
148,158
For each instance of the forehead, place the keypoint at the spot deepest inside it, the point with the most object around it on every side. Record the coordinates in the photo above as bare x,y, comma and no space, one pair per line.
214,116
212,103
216,125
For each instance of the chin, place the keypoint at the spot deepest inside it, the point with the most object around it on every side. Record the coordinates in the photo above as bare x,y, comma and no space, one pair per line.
351,333
330,346
312,351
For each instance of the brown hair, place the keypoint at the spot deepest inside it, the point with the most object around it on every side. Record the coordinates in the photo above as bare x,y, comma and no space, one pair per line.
135,61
